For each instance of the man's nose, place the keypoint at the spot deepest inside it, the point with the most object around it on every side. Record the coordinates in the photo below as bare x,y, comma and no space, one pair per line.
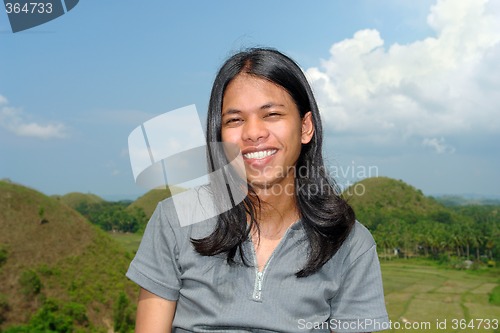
254,129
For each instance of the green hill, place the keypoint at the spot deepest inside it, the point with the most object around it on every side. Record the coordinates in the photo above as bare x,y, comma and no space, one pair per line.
74,199
401,217
376,199
150,200
55,267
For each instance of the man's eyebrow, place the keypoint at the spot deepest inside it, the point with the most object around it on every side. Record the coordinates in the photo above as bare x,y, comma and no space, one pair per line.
263,107
230,111
270,105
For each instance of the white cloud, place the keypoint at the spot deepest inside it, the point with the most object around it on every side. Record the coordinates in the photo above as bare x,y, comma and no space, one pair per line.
17,122
436,87
439,145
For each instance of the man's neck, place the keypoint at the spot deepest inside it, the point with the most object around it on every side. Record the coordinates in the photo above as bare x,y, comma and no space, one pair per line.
278,210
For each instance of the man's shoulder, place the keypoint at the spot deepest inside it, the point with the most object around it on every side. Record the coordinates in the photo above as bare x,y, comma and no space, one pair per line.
359,241
191,212
360,236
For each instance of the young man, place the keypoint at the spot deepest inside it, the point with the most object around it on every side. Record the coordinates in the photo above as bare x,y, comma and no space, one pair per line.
290,257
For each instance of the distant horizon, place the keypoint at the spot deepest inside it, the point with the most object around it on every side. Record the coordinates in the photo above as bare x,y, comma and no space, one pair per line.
135,196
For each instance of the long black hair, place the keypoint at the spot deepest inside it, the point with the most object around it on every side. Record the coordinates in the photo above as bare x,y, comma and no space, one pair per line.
326,217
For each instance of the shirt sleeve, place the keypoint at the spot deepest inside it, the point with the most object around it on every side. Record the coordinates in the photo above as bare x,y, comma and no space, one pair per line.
155,266
359,304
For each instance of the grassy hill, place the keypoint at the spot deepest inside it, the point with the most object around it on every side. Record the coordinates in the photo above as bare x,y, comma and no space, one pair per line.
53,261
376,199
74,199
402,219
150,200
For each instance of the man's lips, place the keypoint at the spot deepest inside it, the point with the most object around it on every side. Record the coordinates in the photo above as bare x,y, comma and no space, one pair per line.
259,154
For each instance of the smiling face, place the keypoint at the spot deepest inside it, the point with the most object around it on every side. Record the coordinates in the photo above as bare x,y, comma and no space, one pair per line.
262,119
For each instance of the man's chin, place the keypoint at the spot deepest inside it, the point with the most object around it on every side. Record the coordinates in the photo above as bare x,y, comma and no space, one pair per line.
264,184
260,185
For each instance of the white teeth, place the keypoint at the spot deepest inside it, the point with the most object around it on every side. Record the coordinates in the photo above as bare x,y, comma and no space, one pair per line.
260,154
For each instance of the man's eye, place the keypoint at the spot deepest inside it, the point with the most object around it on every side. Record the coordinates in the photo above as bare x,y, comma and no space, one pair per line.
273,115
233,121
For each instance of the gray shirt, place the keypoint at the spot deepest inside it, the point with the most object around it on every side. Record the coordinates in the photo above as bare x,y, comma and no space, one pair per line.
345,295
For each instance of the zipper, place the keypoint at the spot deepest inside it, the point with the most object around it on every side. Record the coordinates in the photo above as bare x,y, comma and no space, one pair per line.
259,276
257,294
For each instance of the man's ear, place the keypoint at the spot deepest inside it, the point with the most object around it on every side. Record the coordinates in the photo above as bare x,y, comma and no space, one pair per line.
307,128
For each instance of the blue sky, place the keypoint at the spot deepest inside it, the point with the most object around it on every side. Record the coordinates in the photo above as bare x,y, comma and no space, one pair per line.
407,89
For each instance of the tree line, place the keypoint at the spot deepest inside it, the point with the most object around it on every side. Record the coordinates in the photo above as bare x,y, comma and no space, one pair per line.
113,216
466,232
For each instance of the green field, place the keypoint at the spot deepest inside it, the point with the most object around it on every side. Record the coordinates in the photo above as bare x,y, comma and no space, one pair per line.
421,294
130,241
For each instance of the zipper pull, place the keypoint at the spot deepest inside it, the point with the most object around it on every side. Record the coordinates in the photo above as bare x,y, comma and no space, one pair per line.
258,290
